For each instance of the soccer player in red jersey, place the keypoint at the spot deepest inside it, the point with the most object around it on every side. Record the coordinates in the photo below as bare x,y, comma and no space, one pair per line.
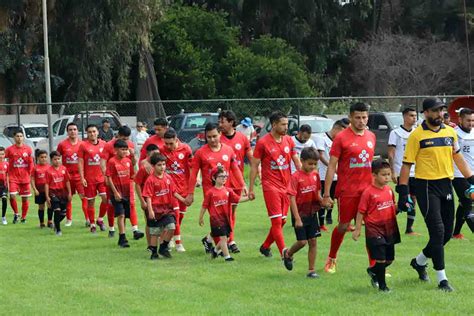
305,198
69,150
57,189
38,181
208,157
120,172
3,184
92,175
351,153
20,166
241,146
274,151
377,210
161,199
179,157
161,126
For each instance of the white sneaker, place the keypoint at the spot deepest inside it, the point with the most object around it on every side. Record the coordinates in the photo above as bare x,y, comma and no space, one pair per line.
68,223
171,244
4,221
180,248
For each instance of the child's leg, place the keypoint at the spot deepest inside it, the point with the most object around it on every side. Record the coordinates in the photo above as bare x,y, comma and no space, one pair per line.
58,217
91,211
41,213
312,254
296,247
177,231
25,204
121,224
50,215
13,203
153,240
223,246
379,270
4,206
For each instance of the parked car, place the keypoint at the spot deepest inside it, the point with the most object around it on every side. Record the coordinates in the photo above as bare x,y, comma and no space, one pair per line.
189,125
33,132
5,141
381,124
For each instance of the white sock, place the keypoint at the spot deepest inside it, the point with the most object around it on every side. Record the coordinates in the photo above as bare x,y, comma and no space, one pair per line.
227,257
441,275
177,237
421,259
209,239
112,229
232,243
134,228
100,219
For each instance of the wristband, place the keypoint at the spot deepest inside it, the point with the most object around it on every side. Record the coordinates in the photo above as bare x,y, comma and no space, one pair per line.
402,189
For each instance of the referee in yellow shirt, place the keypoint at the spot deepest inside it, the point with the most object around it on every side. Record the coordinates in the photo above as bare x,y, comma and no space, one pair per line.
432,147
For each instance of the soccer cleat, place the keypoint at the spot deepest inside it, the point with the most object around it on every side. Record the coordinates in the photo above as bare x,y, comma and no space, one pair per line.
214,253
312,275
323,228
59,233
233,248
328,220
229,259
207,245
42,225
165,253
93,229
412,233
445,286
287,261
459,236
101,225
385,289
4,221
68,223
265,251
87,224
373,279
50,224
154,256
138,234
330,266
111,233
422,274
15,218
180,248
172,244
123,244
23,221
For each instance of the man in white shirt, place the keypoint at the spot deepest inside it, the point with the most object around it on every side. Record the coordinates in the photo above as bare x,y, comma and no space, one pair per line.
396,148
245,127
139,137
466,144
323,145
302,140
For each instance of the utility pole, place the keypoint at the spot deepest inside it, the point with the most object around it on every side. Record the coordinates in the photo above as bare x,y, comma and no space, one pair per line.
47,78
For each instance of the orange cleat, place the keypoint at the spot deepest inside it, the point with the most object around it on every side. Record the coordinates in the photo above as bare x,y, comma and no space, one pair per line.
323,228
330,266
459,236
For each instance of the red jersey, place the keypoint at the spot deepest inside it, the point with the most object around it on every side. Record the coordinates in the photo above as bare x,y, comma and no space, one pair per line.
109,150
241,146
275,159
305,187
57,179
378,207
219,204
120,171
355,154
206,160
155,139
3,173
141,177
91,155
178,164
20,163
161,191
39,174
70,158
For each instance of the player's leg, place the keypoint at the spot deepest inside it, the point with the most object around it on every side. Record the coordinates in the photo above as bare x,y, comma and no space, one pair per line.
332,194
411,214
312,244
137,234
41,215
25,194
4,209
277,208
177,232
154,233
231,242
464,207
14,191
223,241
322,211
59,215
337,236
168,234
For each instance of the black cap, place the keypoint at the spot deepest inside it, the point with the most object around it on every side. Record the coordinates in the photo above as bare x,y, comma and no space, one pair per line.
106,120
432,104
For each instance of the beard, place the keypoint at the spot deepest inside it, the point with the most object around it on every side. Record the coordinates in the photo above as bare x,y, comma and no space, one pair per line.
435,122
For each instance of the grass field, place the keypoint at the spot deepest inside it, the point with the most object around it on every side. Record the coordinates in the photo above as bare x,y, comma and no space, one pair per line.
81,273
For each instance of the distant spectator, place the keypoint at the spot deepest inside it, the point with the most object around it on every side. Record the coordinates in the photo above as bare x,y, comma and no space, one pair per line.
105,132
246,128
140,136
447,120
302,140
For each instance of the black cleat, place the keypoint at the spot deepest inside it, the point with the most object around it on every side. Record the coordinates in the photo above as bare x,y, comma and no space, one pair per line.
15,218
23,220
445,286
385,289
229,259
234,249
154,256
50,225
312,275
422,274
165,253
214,254
207,245
265,251
287,261
123,243
101,225
111,233
138,234
373,278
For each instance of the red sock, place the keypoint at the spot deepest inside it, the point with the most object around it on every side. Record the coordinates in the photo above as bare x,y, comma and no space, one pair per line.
177,230
371,261
216,240
336,241
269,240
25,204
84,209
14,205
133,214
69,211
109,209
232,225
276,233
181,216
91,213
102,209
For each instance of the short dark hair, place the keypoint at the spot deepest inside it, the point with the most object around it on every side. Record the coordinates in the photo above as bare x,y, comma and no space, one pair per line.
39,152
408,109
124,130
379,164
156,158
464,112
2,148
220,170
92,126
106,120
309,153
358,107
229,115
53,154
120,143
170,133
210,127
160,121
17,130
71,124
276,116
151,148
342,123
305,128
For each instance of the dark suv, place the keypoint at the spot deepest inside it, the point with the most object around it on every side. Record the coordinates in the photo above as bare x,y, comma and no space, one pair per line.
381,124
189,125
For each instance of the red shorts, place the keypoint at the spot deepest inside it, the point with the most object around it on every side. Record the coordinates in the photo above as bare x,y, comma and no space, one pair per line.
93,188
77,187
277,203
22,189
347,206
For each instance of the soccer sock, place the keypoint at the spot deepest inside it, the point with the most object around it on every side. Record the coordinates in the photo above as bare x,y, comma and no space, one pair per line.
84,209
177,239
91,213
371,261
232,225
164,245
329,213
336,241
441,275
181,216
216,240
379,270
459,220
421,259
135,228
153,249
58,217
14,205
276,233
69,210
102,210
4,207
133,215
321,216
50,215
122,237
41,216
25,204
177,231
110,214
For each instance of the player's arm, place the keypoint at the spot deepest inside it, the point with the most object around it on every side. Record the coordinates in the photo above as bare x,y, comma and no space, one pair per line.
80,166
196,166
33,184
46,193
358,227
68,188
112,187
462,166
151,214
138,189
391,158
254,164
296,161
322,158
294,211
179,197
331,171
201,216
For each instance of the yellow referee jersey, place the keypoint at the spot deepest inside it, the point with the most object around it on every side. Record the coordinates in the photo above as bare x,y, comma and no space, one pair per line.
432,152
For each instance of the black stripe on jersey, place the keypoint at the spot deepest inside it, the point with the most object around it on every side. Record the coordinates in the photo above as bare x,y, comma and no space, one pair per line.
437,142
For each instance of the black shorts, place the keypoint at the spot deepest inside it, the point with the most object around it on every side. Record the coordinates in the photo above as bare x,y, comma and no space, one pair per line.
309,230
411,185
58,203
332,191
121,207
3,192
381,252
217,231
162,221
41,198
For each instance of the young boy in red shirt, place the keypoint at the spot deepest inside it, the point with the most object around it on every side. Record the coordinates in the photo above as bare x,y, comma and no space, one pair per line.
161,200
305,198
57,189
377,208
38,180
119,176
3,184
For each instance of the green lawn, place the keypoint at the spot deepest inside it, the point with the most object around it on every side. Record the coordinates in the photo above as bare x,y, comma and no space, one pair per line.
80,273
